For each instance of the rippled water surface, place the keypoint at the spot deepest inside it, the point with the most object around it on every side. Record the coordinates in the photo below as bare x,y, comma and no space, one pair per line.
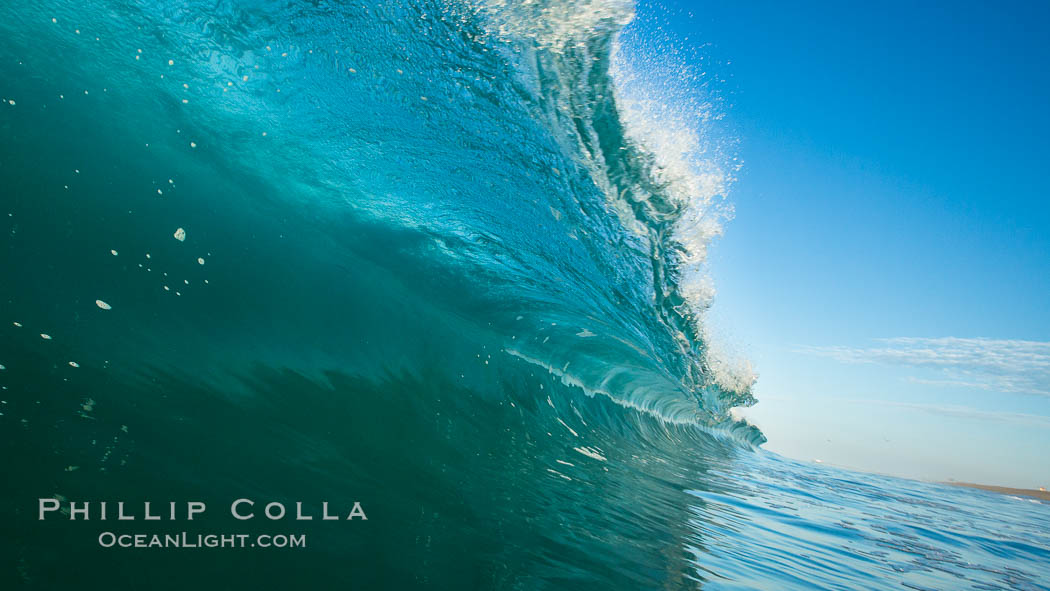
792,525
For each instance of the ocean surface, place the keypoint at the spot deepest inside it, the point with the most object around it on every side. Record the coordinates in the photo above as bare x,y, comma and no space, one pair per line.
441,258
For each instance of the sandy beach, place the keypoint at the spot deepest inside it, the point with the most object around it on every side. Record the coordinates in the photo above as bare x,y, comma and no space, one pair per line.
1021,492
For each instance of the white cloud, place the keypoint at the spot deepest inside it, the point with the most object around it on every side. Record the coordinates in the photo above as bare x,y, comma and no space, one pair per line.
967,412
989,364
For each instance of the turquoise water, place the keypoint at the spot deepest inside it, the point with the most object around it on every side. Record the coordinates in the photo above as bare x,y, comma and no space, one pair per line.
442,259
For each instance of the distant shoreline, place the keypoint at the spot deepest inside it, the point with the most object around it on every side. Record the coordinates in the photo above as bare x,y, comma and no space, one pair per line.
1021,492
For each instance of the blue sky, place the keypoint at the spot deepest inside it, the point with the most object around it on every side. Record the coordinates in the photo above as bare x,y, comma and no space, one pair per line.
888,267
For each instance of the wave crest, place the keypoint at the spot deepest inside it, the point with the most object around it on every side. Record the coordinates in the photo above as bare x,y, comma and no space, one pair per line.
664,178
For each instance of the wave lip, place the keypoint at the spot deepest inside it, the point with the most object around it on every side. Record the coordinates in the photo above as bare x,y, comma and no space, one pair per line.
649,158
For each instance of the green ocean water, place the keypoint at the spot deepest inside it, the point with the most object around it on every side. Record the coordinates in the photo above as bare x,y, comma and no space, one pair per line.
426,266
